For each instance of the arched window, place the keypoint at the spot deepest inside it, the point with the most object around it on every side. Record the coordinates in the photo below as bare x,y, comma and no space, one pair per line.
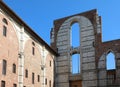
5,21
14,68
75,44
33,43
110,61
75,35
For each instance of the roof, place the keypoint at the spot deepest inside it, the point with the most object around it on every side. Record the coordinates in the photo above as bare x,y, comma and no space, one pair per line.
27,28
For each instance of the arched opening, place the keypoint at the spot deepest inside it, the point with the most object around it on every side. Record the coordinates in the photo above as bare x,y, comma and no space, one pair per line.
75,35
75,64
75,44
110,61
5,21
111,69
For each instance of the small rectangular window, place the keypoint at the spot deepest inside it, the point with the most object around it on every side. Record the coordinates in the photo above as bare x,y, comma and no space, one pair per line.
38,78
33,78
4,67
4,31
50,83
33,50
14,68
46,81
14,85
26,73
2,83
50,63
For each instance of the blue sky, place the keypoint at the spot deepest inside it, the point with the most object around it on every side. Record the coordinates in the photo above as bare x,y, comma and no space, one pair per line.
40,14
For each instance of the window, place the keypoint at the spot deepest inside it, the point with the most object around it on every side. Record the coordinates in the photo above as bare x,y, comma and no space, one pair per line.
75,35
110,61
14,85
5,21
46,81
4,67
2,83
75,44
33,43
50,83
50,63
26,73
38,78
4,31
75,63
14,68
33,78
33,50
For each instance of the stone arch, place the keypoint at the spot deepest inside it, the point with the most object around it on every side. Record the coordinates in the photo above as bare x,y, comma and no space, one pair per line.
63,35
60,37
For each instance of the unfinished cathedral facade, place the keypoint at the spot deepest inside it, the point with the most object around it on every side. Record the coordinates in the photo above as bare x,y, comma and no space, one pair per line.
26,60
92,51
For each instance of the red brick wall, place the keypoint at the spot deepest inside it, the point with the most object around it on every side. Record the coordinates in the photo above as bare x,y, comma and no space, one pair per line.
9,52
32,63
49,70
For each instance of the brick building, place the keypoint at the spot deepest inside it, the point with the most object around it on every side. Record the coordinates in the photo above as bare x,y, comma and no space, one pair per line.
26,60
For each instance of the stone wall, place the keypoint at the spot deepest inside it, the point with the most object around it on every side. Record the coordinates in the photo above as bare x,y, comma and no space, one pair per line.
61,40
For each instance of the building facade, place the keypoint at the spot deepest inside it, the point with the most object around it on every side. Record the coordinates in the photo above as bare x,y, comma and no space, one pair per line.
94,71
26,60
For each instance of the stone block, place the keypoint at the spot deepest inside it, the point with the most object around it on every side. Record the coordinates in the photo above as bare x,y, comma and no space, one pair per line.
87,38
89,75
102,64
63,85
102,74
102,83
62,78
88,54
63,69
90,59
63,63
62,58
87,43
87,33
